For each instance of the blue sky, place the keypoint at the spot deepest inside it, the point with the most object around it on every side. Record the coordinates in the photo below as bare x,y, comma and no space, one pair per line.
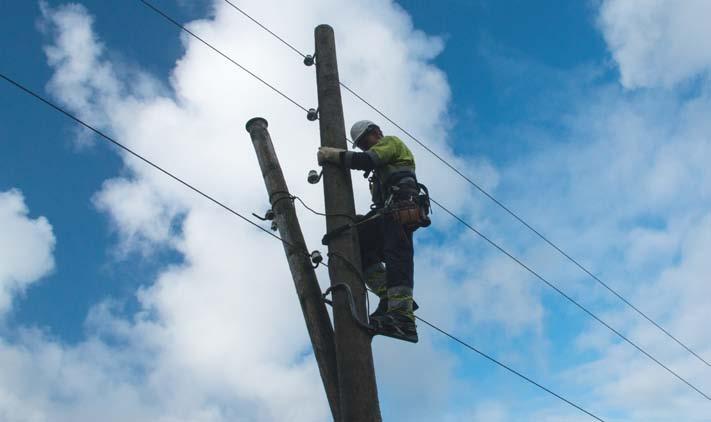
593,134
478,29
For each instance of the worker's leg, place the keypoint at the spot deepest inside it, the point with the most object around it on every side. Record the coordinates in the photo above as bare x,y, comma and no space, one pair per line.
398,253
370,235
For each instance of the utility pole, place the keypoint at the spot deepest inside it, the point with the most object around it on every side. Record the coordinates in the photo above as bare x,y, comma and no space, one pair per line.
313,307
356,374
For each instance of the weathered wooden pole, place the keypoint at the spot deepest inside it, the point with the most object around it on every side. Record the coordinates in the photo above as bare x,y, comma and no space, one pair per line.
356,374
317,320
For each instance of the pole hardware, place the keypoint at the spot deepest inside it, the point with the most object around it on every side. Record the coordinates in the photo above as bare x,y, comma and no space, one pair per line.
268,216
314,176
312,114
316,258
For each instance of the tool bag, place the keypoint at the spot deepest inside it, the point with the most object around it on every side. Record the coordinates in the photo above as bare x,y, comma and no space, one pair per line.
412,213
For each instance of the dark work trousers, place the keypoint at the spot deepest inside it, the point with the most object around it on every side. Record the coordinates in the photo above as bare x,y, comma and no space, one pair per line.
384,240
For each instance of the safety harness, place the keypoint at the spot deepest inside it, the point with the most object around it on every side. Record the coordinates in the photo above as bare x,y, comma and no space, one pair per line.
408,207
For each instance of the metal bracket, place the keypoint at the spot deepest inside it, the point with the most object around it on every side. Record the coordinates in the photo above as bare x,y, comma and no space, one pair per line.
268,216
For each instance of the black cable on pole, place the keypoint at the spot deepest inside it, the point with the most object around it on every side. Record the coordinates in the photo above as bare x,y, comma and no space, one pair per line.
467,345
490,196
570,299
323,214
145,160
254,75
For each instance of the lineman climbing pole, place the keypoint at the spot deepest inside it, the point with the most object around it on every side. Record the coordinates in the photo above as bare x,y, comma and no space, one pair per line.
356,375
318,323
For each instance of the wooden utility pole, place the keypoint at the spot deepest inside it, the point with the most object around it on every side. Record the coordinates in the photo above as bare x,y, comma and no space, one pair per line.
317,320
356,375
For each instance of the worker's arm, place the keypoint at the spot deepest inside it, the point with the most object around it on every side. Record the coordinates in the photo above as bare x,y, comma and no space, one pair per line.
349,159
380,154
358,160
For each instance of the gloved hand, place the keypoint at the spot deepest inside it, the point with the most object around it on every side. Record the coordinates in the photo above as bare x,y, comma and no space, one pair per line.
329,155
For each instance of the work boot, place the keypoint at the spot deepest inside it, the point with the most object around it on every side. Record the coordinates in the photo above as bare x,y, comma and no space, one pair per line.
383,306
376,280
399,320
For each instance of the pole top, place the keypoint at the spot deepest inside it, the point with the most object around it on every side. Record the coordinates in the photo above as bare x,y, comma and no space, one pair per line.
256,121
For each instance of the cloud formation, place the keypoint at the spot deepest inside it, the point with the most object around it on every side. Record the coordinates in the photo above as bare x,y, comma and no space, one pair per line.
212,341
26,248
219,336
657,43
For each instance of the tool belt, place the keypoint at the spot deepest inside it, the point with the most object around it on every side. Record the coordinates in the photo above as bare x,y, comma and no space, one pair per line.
409,206
412,212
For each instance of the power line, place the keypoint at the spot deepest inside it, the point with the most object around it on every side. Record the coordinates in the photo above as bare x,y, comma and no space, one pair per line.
145,160
232,211
549,284
234,6
488,195
254,75
508,368
454,215
568,298
469,346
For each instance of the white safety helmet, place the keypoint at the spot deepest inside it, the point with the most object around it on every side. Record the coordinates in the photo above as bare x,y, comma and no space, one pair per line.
359,129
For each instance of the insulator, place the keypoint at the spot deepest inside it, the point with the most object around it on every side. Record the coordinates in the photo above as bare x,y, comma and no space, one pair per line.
312,114
314,177
309,60
316,257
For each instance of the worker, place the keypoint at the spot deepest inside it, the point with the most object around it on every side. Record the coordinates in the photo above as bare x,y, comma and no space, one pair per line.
386,231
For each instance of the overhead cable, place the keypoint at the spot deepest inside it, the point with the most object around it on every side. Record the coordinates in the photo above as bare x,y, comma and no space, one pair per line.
569,299
145,160
557,290
490,196
470,347
458,218
234,62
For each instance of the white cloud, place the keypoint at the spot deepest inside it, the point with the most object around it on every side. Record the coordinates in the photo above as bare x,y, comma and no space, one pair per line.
658,42
224,344
624,191
220,336
26,248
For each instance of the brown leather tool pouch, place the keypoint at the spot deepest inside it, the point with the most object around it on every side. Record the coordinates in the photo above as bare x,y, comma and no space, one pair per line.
409,214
